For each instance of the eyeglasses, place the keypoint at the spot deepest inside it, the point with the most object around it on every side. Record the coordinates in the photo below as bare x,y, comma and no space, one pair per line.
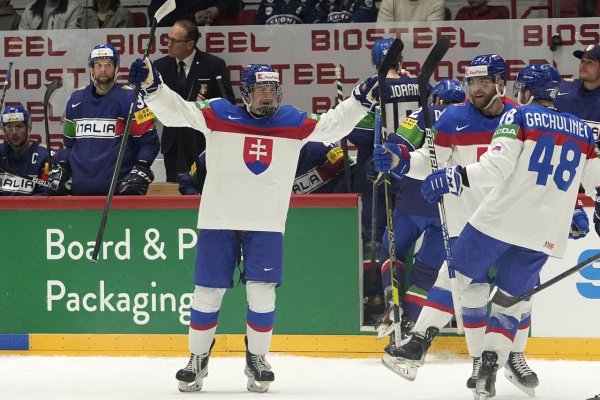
175,41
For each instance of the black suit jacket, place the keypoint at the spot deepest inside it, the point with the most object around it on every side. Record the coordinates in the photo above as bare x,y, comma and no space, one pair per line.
201,79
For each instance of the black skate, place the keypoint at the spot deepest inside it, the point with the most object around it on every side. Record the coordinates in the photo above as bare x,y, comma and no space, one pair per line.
472,381
596,397
405,359
519,374
258,371
192,376
486,382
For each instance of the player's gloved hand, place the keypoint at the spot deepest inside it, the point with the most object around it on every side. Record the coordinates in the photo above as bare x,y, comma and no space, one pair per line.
138,180
393,158
597,211
445,180
580,225
60,178
364,92
142,72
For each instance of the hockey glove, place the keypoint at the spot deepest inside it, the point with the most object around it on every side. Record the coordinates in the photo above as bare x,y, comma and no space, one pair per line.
445,180
364,92
393,158
597,211
60,179
142,72
138,180
580,225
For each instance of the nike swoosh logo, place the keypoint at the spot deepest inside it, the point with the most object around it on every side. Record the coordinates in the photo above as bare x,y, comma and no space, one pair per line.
233,118
460,128
561,94
75,104
268,269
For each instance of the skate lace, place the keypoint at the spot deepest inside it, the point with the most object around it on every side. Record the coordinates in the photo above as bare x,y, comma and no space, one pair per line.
476,367
519,364
195,363
260,363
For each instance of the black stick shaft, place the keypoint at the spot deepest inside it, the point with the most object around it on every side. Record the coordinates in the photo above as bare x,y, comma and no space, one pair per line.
344,141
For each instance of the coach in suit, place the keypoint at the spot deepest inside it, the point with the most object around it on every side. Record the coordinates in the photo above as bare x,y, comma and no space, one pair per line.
193,74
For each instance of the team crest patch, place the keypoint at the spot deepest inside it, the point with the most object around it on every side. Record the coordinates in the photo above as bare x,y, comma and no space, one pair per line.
258,153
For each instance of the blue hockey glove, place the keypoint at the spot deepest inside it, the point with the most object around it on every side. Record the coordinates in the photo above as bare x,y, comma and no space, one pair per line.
580,225
393,158
138,180
142,72
597,211
364,92
60,179
445,180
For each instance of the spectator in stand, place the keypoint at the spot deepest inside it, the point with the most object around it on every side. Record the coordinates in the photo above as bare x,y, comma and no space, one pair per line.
479,9
191,73
51,14
335,11
201,12
109,14
282,12
9,19
411,10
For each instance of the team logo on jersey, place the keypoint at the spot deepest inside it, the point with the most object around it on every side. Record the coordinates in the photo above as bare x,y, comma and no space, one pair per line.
258,153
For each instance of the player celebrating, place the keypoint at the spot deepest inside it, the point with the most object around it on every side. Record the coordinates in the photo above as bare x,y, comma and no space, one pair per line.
21,155
95,118
255,148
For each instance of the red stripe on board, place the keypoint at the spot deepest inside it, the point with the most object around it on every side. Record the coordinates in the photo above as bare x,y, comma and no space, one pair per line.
287,132
158,202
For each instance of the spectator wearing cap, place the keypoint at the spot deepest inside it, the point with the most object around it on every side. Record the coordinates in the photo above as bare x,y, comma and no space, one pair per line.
479,9
581,97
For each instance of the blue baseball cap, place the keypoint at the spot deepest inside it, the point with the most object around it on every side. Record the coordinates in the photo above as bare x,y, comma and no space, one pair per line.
592,51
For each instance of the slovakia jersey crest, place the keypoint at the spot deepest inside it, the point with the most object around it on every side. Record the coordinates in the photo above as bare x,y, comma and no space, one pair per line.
258,153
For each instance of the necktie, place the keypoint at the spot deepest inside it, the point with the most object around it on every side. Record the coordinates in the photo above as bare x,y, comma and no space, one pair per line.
181,77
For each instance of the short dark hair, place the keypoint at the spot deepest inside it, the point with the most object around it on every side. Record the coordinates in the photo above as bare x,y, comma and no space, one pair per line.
191,29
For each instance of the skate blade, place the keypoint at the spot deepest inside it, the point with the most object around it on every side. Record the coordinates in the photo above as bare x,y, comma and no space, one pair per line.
195,386
384,331
402,368
257,386
512,379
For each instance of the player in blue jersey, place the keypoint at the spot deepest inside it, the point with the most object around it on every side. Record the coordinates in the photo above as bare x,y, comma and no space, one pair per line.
24,157
535,163
95,118
581,97
282,12
320,170
254,150
413,217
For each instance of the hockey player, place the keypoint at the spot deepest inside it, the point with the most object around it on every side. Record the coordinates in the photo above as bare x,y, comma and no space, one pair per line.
320,170
413,217
401,98
95,118
255,149
537,151
282,12
18,154
581,97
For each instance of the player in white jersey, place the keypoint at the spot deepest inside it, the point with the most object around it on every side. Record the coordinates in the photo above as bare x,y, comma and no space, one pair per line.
251,158
535,163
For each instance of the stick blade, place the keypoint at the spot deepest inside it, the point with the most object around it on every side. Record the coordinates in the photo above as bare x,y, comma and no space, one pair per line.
502,299
392,55
50,88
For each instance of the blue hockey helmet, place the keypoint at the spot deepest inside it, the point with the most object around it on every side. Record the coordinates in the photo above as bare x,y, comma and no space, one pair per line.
542,80
380,50
449,91
491,65
102,52
263,77
16,113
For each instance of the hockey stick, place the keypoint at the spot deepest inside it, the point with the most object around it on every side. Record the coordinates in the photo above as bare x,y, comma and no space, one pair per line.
344,141
165,9
505,300
6,83
49,90
435,56
390,58
219,79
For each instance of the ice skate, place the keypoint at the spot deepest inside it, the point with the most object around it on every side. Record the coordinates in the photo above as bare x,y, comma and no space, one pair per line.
405,359
472,381
258,371
486,381
519,374
192,376
596,397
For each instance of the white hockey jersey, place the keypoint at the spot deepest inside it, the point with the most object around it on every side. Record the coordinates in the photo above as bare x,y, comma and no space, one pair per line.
251,162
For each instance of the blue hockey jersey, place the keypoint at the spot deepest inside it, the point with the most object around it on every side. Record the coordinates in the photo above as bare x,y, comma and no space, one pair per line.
31,163
282,12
